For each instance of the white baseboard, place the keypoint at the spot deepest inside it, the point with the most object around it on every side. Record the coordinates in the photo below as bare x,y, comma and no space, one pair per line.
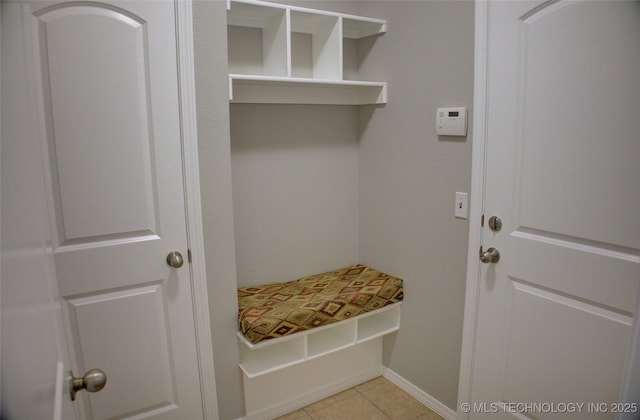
319,394
312,397
420,395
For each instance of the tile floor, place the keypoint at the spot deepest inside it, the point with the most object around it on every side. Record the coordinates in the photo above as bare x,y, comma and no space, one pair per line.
372,400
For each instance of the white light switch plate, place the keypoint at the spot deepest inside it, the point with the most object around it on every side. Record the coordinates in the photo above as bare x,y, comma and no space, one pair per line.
461,209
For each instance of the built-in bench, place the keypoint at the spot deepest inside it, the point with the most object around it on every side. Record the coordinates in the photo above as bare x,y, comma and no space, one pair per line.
304,340
283,324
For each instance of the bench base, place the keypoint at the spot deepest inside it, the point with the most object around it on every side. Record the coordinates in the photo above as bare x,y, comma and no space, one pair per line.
291,388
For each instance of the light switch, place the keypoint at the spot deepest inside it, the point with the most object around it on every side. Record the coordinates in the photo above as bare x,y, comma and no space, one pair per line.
461,209
451,121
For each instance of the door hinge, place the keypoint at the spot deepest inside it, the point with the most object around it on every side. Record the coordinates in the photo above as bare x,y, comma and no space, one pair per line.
189,255
482,221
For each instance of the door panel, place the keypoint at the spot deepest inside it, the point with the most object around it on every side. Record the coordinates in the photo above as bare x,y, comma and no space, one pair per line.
108,95
142,350
549,333
97,127
555,313
574,260
578,106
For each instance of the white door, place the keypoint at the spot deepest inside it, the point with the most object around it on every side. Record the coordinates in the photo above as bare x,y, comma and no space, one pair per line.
107,101
554,314
34,360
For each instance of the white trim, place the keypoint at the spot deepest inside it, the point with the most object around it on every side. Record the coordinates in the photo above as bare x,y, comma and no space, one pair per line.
420,395
477,203
630,389
313,396
184,28
332,389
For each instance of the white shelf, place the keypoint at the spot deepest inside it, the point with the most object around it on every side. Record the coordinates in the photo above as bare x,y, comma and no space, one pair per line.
357,27
275,354
294,90
288,54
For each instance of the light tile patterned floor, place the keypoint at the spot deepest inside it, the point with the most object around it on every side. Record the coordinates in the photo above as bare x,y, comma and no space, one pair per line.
373,400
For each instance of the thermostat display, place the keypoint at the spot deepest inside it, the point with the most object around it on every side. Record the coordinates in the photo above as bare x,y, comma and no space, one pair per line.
451,121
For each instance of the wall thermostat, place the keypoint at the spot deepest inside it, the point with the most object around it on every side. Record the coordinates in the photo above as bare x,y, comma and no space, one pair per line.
451,121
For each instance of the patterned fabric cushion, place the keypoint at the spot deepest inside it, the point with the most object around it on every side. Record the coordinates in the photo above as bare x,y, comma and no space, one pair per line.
281,309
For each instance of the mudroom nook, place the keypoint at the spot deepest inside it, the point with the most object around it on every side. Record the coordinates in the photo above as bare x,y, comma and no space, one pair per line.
315,173
290,57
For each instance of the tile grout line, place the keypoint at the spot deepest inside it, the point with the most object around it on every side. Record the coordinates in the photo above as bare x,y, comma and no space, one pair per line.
372,402
360,391
387,382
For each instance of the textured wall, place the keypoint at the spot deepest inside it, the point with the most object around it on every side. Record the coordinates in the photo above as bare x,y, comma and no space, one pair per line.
210,43
408,179
295,190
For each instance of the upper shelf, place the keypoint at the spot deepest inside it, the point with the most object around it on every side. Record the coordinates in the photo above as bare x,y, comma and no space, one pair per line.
257,14
296,90
289,54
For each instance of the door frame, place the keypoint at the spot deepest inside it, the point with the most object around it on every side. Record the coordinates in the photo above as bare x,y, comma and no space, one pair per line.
630,384
193,207
476,206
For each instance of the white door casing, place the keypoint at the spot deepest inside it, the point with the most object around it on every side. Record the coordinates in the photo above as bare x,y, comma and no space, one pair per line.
555,157
109,102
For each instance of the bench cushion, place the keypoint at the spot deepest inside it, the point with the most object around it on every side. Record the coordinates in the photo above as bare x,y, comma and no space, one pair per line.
281,309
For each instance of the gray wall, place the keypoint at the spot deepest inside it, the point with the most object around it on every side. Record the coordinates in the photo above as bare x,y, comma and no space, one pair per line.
408,179
212,101
388,179
295,190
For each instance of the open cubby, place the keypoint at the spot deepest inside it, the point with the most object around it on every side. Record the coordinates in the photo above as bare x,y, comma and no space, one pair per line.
325,44
331,339
289,54
377,323
266,359
258,40
275,354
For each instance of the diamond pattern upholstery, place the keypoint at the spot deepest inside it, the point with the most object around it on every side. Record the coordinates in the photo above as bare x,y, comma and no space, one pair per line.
281,309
